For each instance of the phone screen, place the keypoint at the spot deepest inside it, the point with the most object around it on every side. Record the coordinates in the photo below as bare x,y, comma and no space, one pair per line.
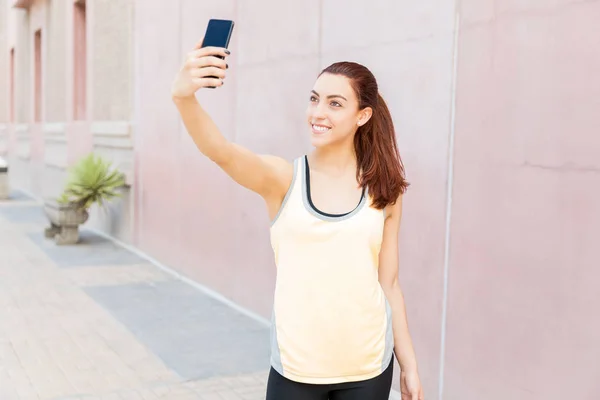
218,33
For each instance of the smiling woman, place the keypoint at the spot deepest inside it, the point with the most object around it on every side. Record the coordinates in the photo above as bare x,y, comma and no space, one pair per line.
339,313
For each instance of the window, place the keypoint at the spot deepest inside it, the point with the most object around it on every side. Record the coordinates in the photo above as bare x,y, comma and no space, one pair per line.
37,104
79,58
11,105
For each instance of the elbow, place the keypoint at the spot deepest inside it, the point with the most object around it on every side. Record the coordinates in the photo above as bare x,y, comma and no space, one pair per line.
220,155
389,284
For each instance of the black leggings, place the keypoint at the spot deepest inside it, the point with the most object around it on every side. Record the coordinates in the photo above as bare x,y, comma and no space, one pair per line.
378,388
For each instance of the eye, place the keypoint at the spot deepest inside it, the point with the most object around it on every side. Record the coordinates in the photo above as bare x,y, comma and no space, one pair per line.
313,98
335,104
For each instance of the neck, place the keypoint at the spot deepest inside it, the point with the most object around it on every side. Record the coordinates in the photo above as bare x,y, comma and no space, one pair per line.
336,158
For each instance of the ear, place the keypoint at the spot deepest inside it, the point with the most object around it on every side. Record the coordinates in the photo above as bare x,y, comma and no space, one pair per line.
364,116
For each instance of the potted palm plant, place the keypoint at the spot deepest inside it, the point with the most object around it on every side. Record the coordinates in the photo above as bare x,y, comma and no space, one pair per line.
92,180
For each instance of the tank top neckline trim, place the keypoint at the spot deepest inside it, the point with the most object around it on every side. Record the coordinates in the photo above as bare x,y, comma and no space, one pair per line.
299,168
311,208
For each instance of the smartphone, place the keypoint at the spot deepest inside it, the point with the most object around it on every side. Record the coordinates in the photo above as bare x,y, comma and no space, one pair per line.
218,33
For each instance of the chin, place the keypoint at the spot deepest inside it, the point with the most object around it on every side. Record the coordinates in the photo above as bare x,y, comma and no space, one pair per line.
319,141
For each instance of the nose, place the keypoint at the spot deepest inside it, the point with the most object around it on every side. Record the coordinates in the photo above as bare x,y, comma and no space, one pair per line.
318,111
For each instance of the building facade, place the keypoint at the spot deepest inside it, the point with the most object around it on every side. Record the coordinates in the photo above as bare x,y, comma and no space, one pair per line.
496,108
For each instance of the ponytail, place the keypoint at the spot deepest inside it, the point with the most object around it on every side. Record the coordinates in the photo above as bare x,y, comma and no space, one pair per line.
380,167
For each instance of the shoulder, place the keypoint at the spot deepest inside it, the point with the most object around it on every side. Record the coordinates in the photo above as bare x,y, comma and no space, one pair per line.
282,166
276,162
282,171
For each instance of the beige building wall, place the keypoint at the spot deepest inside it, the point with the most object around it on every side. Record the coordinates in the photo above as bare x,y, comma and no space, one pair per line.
23,81
43,151
110,72
4,64
111,23
55,95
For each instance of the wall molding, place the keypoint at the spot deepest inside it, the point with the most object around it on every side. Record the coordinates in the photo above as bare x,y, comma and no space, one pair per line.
112,134
55,145
54,132
111,128
21,128
113,140
23,141
23,150
3,139
52,128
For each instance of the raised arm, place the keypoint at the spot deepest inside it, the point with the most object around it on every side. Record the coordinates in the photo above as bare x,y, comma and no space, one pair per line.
267,175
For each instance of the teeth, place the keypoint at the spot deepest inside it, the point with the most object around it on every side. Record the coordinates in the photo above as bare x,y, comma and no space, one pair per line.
320,128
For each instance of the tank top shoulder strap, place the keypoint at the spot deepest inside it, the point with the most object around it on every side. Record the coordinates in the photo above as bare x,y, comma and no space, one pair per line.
294,190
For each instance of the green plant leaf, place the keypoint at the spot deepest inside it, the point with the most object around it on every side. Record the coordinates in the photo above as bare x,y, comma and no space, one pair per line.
92,180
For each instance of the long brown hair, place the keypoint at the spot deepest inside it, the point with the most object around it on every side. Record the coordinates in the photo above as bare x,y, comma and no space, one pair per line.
380,167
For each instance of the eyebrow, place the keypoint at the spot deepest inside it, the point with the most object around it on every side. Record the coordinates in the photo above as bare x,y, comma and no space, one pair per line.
331,96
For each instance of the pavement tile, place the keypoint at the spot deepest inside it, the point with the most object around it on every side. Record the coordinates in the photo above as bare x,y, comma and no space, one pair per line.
91,250
95,322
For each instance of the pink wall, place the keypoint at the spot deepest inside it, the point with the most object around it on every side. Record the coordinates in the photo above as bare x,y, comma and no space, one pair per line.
523,290
214,231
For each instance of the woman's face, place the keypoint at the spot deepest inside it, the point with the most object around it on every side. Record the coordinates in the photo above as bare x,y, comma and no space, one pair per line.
332,113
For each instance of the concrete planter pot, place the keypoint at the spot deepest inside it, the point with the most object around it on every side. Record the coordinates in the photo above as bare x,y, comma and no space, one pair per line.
64,221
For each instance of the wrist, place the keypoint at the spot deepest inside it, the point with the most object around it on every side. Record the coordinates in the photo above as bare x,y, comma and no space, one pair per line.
410,370
184,99
408,366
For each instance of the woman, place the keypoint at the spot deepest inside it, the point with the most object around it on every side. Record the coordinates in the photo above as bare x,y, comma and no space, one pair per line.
339,312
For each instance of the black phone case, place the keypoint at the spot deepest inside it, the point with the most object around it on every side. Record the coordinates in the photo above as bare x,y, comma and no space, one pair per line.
225,46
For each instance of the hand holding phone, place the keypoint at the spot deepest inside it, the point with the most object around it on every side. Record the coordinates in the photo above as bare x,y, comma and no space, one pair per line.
218,33
205,65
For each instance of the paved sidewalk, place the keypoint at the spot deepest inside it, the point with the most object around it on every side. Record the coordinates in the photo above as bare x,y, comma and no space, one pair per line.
94,321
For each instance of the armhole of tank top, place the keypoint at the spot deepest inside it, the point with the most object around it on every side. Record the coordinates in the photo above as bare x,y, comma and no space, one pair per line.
288,193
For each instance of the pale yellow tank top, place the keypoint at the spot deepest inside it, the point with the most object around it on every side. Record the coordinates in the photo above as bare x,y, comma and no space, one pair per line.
331,321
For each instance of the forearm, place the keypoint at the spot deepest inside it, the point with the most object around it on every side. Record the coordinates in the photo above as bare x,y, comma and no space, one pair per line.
202,129
403,346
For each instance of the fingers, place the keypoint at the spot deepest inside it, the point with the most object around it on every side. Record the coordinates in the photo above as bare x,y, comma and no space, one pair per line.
207,71
411,395
207,82
416,395
207,52
207,62
206,65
